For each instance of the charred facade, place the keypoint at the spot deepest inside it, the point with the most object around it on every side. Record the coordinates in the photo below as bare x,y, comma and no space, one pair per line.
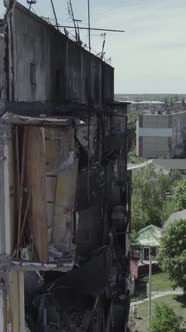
65,190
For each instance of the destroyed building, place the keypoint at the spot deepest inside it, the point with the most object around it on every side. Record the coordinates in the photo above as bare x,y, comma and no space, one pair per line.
65,190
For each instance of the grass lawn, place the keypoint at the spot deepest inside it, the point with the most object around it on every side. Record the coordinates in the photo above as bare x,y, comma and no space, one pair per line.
177,302
160,283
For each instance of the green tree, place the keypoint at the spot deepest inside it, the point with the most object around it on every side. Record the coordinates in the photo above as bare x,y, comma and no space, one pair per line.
164,320
180,196
176,201
132,118
172,256
176,175
168,208
149,192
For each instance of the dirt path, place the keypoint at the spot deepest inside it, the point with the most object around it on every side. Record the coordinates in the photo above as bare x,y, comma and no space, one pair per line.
159,294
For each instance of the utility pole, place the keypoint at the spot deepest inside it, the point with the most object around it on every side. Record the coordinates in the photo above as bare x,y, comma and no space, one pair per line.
150,285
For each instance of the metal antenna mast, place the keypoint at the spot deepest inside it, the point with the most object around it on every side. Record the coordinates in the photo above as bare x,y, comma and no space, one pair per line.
102,53
78,30
89,41
31,2
53,8
103,46
75,21
95,29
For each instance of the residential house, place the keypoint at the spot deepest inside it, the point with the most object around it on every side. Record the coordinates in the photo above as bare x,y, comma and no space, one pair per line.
146,244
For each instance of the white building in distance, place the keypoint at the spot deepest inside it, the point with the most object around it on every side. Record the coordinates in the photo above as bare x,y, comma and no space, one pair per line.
161,135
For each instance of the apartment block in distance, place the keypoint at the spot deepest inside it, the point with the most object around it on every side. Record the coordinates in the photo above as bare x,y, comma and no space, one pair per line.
161,135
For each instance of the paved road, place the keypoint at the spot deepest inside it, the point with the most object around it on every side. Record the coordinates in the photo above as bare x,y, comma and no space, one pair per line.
133,167
159,294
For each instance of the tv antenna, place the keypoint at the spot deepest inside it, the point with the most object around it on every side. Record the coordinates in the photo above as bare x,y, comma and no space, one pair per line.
89,28
31,2
75,21
102,53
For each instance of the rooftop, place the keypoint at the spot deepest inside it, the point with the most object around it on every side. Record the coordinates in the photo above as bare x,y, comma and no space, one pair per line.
149,236
175,216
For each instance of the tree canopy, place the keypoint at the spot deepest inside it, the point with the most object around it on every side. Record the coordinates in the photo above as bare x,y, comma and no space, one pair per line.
177,201
132,118
172,256
149,194
180,196
164,320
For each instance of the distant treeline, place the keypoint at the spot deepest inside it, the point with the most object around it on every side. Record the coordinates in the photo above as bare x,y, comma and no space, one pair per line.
149,97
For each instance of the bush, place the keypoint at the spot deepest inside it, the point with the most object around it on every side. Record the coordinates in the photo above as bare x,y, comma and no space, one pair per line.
164,320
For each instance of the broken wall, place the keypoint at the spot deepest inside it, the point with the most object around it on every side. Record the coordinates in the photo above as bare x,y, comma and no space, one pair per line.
93,139
7,192
12,315
47,173
38,176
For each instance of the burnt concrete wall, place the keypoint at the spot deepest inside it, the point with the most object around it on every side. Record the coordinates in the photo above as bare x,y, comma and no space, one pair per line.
89,231
3,86
50,67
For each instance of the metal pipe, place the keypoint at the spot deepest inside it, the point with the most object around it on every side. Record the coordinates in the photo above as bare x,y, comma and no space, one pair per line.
86,28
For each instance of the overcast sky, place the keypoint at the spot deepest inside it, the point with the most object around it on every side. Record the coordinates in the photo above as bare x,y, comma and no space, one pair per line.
150,57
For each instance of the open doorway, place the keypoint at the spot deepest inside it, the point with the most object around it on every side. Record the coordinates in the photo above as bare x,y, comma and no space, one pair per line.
146,253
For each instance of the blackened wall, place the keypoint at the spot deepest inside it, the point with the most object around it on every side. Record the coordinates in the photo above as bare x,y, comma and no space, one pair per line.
3,86
51,67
